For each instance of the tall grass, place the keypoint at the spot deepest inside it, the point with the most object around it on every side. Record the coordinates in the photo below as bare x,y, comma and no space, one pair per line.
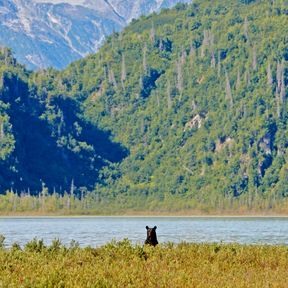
120,264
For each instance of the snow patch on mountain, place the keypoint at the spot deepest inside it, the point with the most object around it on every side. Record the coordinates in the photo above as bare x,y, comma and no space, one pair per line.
72,2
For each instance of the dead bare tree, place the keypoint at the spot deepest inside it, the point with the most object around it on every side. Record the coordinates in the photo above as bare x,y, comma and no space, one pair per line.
169,100
145,58
238,81
246,28
179,71
269,75
228,90
123,71
152,33
254,58
219,64
2,134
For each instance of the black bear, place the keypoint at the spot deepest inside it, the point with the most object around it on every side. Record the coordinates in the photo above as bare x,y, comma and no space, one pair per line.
151,236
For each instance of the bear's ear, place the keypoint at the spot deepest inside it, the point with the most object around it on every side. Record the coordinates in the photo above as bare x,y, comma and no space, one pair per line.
155,227
147,227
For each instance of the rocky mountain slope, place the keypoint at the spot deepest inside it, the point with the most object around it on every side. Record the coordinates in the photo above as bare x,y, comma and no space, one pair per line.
54,33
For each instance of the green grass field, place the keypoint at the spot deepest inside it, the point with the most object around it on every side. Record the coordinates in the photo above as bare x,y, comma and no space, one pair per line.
121,264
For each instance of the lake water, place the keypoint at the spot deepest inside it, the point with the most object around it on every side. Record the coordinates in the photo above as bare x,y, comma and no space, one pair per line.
96,231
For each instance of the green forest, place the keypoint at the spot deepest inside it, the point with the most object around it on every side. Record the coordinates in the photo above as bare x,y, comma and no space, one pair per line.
183,110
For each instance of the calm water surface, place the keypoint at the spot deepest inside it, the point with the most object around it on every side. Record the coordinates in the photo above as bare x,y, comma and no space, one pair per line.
95,231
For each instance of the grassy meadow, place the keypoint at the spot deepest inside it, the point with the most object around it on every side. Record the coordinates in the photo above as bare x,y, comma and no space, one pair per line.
121,264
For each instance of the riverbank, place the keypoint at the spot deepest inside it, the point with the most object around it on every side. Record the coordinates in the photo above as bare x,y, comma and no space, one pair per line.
124,265
145,213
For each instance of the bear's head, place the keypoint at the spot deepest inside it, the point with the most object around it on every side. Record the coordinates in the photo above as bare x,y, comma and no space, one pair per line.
151,236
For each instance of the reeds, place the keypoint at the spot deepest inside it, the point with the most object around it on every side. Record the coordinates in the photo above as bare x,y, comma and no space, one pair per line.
121,264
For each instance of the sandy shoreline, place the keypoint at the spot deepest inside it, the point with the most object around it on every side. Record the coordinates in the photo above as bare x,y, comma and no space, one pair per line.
246,216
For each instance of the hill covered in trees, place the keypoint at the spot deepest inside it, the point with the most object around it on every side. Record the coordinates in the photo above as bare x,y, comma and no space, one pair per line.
195,97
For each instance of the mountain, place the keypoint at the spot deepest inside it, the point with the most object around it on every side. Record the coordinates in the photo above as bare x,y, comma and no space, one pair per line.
193,101
131,9
44,34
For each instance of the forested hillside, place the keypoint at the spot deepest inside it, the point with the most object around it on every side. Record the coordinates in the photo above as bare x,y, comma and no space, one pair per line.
196,95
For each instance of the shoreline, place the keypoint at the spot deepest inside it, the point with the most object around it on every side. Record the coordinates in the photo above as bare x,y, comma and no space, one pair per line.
192,216
149,214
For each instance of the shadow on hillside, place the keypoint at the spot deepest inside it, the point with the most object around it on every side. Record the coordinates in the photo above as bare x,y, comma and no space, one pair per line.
55,153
